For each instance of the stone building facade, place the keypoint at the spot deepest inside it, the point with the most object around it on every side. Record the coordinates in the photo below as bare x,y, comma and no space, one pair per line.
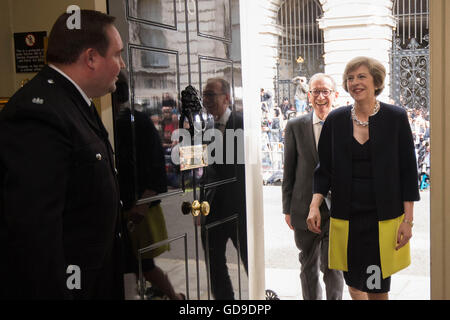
348,28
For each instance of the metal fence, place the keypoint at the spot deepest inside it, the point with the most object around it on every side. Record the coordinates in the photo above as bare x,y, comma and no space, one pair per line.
410,76
410,58
283,89
301,43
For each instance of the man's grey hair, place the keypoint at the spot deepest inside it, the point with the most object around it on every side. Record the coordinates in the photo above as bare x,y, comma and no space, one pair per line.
225,85
322,75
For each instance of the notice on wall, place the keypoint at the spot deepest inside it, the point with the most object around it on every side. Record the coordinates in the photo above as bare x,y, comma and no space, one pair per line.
29,51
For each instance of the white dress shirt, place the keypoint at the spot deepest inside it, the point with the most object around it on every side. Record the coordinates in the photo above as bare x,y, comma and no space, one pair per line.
317,127
222,122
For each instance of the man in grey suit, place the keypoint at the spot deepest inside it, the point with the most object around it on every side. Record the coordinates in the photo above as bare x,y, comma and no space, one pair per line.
300,159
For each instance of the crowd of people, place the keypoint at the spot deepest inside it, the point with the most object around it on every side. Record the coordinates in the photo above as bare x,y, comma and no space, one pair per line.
273,124
166,122
419,120
274,117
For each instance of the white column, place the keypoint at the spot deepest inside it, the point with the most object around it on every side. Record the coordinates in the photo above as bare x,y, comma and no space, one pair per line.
267,44
356,28
250,19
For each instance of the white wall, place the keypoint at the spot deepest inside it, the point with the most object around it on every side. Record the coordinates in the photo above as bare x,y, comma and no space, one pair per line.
351,28
356,28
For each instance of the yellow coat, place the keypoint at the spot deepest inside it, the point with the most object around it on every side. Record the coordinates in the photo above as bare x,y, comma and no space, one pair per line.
394,180
391,260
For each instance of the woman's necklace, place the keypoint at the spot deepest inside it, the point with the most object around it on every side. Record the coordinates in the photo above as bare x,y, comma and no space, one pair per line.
365,123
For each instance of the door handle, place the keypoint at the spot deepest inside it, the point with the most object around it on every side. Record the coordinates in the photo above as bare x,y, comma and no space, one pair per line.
195,208
204,208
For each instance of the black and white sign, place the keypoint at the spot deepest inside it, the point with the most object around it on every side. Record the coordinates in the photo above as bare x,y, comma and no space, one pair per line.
29,51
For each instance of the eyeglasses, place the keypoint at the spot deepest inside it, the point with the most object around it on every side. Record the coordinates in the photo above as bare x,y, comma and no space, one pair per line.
211,94
325,93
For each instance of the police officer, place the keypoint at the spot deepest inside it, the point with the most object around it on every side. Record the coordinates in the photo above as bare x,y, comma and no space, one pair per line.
59,198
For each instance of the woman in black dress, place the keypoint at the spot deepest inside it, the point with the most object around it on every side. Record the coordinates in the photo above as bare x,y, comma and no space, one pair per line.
367,160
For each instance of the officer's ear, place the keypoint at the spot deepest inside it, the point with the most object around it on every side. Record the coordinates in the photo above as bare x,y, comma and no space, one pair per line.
90,58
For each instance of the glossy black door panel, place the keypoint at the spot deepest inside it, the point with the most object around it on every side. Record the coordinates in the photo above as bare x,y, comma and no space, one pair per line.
170,45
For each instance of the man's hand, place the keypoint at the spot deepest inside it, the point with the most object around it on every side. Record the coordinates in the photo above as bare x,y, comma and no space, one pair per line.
313,220
287,218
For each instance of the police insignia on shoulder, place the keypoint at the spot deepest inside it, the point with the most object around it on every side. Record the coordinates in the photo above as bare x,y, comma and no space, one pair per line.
38,100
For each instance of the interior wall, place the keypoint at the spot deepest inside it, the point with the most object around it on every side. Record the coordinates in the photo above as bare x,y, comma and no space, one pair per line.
37,15
24,16
6,80
440,148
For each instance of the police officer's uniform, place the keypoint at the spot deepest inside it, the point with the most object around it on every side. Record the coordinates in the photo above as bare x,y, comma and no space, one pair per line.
59,198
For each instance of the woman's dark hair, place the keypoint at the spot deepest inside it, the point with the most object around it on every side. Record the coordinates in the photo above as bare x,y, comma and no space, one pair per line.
65,45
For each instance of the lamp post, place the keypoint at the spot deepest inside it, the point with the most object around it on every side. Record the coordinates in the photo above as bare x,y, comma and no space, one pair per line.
300,62
277,85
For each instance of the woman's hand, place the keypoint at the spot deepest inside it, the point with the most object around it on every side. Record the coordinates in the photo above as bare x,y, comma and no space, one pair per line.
405,229
403,235
313,220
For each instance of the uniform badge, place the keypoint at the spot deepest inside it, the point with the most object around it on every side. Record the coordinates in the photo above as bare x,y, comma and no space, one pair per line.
37,100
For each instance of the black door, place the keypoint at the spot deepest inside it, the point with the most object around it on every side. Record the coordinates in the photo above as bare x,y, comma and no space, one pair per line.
170,45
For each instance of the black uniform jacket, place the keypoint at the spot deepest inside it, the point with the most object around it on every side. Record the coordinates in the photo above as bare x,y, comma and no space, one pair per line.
59,195
393,161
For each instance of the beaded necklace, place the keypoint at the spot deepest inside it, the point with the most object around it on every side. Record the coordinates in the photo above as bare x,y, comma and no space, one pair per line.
365,123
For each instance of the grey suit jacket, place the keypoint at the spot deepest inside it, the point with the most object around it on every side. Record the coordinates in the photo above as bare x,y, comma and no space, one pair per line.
300,160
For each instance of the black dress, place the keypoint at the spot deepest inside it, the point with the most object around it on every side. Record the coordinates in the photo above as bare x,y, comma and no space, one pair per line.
364,266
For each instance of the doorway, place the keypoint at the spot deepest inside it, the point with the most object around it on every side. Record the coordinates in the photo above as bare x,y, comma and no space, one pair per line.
409,83
171,45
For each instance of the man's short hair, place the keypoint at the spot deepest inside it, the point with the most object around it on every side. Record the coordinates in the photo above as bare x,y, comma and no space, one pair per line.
65,45
323,75
225,85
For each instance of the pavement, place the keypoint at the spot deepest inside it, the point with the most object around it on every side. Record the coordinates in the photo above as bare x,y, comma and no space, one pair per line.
283,268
